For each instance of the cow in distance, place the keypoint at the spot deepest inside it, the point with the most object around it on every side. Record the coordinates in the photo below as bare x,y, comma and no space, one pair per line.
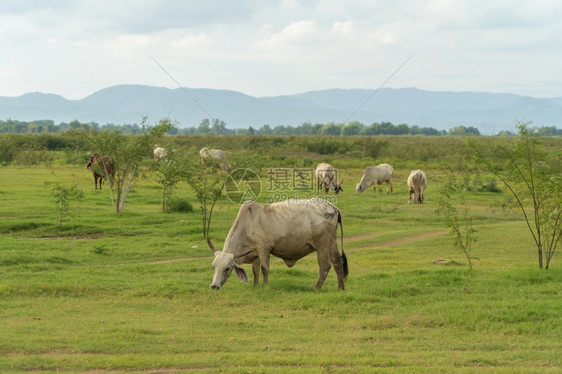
374,175
327,178
216,155
160,153
417,182
103,167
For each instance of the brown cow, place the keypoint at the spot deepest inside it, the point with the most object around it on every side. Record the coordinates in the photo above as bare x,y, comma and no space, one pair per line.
102,167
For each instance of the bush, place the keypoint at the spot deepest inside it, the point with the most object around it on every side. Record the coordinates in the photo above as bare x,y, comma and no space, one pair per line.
179,205
31,156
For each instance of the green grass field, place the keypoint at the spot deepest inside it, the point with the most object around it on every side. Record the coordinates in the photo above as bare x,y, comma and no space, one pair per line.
129,292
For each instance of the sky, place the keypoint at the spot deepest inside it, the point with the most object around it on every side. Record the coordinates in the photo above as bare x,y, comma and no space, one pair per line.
278,47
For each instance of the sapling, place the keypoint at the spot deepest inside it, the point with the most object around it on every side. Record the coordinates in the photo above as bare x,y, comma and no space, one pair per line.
461,223
63,196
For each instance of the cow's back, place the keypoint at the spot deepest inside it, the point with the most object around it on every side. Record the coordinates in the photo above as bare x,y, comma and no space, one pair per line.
326,174
290,224
417,179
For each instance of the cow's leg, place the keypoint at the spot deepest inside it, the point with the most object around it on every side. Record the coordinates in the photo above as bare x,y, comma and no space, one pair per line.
264,264
337,261
256,270
389,184
324,266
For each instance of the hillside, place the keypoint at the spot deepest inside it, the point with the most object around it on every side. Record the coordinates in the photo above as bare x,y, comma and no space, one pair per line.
124,104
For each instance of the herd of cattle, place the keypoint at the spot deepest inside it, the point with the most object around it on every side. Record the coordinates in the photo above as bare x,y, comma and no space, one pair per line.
289,230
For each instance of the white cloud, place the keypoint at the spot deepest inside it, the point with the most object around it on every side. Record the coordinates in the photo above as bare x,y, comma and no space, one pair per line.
191,40
294,33
128,41
283,46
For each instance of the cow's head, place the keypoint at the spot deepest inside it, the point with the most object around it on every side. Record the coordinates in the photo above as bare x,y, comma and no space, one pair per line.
338,188
360,187
223,264
93,159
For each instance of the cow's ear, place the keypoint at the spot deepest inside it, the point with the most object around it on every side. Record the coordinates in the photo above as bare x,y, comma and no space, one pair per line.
241,273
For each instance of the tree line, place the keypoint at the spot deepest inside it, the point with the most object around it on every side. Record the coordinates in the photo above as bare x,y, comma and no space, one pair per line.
219,127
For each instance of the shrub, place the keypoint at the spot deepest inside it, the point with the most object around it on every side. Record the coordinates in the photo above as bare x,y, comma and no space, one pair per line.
33,156
179,205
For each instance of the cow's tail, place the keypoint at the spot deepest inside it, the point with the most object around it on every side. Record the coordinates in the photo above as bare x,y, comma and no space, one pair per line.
344,258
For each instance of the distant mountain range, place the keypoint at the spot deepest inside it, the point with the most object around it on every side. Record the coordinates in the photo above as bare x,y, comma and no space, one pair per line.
128,104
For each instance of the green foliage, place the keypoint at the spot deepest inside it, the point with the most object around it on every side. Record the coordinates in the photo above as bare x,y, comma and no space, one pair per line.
128,152
461,224
27,156
63,196
168,172
208,179
323,145
101,250
371,147
533,175
179,205
463,130
474,182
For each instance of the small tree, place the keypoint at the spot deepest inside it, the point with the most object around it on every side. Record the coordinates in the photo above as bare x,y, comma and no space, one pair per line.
462,230
63,196
208,180
534,177
128,152
168,172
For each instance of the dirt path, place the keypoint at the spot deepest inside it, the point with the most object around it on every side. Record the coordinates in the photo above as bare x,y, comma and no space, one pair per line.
405,240
170,261
367,235
351,239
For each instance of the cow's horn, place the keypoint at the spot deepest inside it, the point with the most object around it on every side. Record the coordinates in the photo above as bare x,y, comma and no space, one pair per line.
211,245
243,254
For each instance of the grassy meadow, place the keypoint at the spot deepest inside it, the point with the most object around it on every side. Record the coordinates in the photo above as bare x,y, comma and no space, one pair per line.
129,292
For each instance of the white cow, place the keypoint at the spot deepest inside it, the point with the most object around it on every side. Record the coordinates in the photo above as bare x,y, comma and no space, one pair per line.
160,153
327,177
416,185
289,230
215,154
374,175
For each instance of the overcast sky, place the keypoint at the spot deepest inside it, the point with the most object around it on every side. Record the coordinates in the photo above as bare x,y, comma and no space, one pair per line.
266,48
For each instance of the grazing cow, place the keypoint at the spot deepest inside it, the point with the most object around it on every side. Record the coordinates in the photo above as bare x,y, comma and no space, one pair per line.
416,184
160,153
289,230
374,175
102,167
215,155
326,176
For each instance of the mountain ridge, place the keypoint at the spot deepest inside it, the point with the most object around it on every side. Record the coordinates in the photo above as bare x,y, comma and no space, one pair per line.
122,104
